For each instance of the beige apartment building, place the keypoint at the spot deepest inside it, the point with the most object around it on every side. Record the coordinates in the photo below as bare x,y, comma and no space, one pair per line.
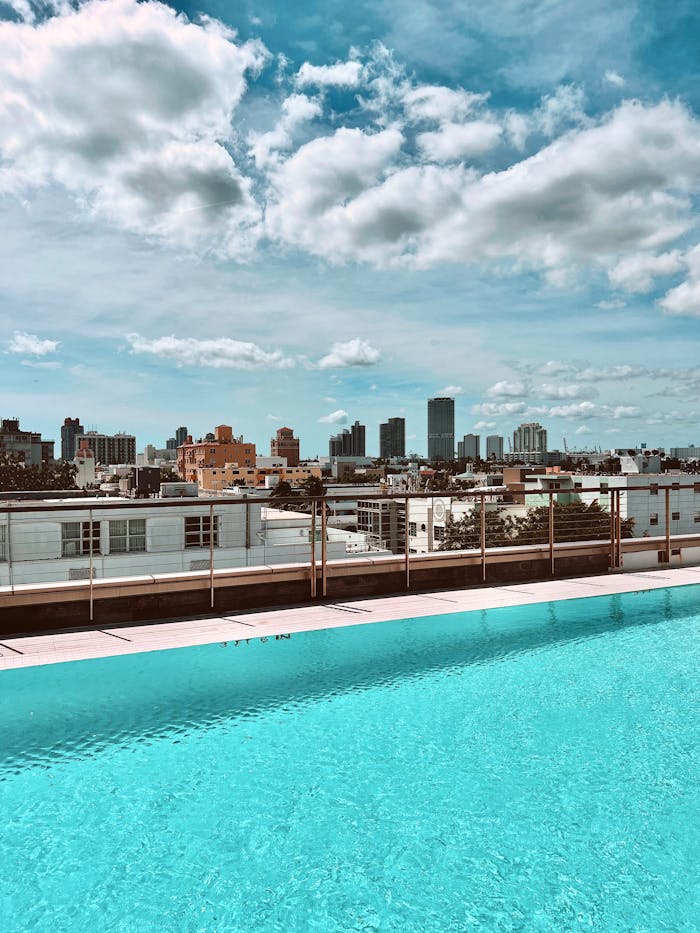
216,451
215,479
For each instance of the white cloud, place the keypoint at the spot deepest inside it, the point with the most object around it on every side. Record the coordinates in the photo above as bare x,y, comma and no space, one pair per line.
335,417
297,110
329,399
30,344
572,390
685,298
480,425
354,352
274,418
636,273
612,77
575,410
309,188
142,140
506,389
611,304
455,141
449,391
498,409
342,74
562,108
621,411
221,353
435,102
53,364
583,430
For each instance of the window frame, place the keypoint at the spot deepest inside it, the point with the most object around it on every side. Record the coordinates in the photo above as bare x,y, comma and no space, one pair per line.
200,537
82,539
130,547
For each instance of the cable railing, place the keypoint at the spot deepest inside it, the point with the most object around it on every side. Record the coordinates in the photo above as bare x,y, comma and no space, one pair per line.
83,541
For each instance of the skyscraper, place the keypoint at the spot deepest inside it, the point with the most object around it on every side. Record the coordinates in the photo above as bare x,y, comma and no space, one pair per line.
494,447
357,434
392,438
441,428
529,438
180,436
469,448
70,429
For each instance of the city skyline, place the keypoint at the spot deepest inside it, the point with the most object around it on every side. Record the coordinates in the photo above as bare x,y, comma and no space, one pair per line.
137,305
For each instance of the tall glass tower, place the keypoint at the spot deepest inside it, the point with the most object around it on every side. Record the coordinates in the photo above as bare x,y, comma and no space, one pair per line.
441,429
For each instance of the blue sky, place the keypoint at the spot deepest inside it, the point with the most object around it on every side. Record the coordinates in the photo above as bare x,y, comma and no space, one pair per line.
260,213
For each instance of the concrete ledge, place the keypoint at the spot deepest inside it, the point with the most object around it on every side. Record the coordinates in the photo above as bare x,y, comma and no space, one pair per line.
61,605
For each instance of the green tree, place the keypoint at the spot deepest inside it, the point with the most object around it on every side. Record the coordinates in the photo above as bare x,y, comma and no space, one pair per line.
573,521
16,476
313,486
465,534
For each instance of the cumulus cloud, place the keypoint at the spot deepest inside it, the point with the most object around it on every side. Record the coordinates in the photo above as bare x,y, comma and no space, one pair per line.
575,410
297,110
335,417
141,140
342,74
480,425
571,390
685,298
592,196
30,344
221,353
584,429
636,273
440,104
455,141
354,352
449,391
612,77
498,409
504,389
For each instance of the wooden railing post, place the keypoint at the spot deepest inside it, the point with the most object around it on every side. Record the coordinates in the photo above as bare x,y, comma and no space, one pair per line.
324,576
406,551
313,550
482,537
551,532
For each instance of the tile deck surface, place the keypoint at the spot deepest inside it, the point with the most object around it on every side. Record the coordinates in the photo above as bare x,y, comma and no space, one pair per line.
74,646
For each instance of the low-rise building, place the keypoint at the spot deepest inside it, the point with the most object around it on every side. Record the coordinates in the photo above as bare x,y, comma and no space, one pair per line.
215,451
126,539
26,446
212,479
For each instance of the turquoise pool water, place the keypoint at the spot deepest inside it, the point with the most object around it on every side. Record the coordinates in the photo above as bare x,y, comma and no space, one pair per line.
523,769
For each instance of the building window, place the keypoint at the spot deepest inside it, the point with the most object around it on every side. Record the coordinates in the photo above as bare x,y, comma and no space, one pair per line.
654,518
198,531
654,489
127,535
697,518
3,543
439,532
696,487
76,538
675,516
578,485
604,487
675,485
412,529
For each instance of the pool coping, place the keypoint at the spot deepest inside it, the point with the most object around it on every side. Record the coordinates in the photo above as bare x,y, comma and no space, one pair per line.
35,650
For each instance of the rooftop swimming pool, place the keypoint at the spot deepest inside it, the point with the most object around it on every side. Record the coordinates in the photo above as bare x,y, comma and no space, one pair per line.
533,768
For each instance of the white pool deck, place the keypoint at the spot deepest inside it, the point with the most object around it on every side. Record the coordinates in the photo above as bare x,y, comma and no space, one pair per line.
76,646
